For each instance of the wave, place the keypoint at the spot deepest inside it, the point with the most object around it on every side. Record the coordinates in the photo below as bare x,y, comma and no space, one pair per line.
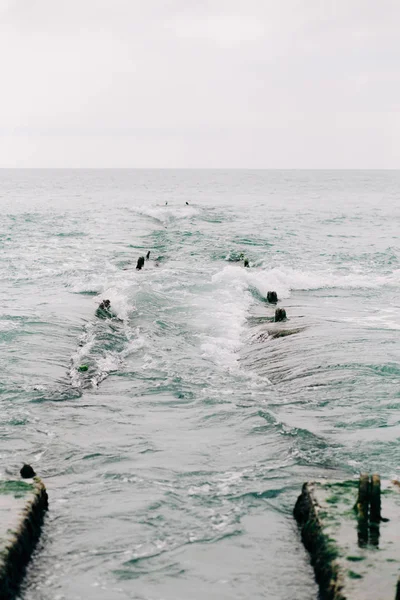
165,214
98,355
103,343
285,280
212,314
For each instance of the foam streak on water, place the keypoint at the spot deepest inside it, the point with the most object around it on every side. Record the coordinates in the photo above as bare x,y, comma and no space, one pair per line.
173,461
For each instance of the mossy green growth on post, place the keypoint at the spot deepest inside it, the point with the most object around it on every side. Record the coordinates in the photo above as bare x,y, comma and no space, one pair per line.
320,546
353,548
17,488
23,505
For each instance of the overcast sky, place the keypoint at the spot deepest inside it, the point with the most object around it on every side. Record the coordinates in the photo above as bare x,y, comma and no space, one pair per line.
200,83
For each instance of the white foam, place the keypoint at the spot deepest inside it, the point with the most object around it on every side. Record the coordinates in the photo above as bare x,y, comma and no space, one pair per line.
221,312
384,319
8,325
105,365
86,342
242,279
114,281
168,213
119,297
285,280
221,316
134,345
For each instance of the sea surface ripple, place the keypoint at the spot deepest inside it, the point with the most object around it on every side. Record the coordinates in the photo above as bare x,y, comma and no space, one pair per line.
173,462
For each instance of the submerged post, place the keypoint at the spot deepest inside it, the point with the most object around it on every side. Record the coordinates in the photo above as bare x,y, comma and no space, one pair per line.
280,315
140,263
272,297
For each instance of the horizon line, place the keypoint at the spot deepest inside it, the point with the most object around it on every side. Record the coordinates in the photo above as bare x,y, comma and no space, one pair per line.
200,168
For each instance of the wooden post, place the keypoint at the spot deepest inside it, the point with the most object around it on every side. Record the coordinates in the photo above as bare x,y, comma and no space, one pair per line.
375,499
363,496
272,297
398,590
280,315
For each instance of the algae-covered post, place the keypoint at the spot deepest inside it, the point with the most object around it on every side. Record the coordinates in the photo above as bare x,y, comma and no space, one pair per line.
375,499
342,528
280,315
362,509
23,505
322,551
363,496
103,311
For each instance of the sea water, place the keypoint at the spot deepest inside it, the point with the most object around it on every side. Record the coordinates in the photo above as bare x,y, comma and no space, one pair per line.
173,461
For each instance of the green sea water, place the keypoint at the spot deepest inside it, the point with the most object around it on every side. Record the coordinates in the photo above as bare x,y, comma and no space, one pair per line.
174,460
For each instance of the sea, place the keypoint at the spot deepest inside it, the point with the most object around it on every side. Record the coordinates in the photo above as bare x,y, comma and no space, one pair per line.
174,433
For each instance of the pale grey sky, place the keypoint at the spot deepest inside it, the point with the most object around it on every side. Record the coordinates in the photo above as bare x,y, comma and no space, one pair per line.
212,83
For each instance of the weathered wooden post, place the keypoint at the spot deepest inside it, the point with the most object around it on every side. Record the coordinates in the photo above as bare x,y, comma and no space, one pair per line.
280,315
375,499
362,507
353,549
23,505
140,263
398,590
